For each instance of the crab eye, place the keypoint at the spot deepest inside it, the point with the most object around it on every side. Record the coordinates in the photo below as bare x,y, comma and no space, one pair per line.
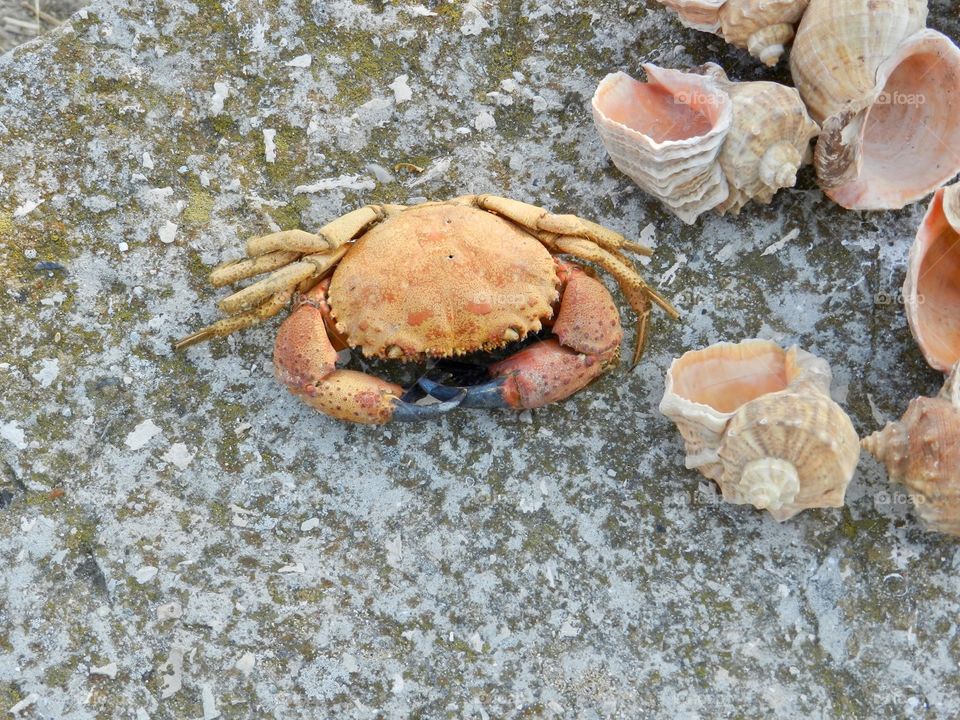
450,256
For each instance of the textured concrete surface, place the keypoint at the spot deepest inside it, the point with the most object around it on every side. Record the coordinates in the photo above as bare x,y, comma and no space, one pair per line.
181,538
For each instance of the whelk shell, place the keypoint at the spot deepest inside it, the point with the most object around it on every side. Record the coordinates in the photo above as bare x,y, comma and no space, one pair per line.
759,421
763,27
922,452
697,141
932,288
886,92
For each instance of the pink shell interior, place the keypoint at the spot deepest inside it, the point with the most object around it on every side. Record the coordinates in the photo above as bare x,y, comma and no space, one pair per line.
938,288
727,376
668,107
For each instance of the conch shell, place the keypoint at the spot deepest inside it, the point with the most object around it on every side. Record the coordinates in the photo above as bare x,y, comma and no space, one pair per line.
763,27
759,421
932,289
697,141
886,92
922,453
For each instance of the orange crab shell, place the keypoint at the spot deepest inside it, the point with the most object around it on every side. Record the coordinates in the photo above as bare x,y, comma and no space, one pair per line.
441,280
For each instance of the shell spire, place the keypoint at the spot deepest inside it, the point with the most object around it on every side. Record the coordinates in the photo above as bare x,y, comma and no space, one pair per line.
762,27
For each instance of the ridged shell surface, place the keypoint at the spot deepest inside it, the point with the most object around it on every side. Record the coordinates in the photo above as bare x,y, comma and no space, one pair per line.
921,451
759,420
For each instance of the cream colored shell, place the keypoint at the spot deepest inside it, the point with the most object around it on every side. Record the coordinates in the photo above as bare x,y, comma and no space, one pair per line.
763,27
666,134
931,291
725,143
922,452
759,421
885,91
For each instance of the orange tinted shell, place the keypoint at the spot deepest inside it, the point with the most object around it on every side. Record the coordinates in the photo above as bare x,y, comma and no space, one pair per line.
441,279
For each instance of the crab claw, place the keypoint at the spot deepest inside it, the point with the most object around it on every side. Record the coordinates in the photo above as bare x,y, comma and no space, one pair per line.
404,411
486,395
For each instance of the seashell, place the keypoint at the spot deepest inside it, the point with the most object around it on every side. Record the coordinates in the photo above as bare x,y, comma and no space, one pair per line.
759,421
932,288
922,452
697,141
763,27
666,135
885,91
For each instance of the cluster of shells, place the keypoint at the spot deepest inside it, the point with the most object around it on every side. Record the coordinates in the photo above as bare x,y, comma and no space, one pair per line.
879,92
874,86
759,420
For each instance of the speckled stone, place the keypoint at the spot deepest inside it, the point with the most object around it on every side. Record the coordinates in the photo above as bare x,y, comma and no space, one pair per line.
158,508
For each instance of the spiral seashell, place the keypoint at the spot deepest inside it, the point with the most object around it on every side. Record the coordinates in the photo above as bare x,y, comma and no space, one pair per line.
762,27
666,135
922,452
885,91
697,141
759,421
931,291
768,143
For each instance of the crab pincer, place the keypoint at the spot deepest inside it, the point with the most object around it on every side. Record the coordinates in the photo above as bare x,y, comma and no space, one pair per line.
585,342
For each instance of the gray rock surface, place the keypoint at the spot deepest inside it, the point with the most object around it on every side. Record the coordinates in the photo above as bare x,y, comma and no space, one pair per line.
182,538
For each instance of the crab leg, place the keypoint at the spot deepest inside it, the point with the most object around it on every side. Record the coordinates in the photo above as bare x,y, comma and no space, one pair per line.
305,361
634,287
586,343
330,236
222,328
536,218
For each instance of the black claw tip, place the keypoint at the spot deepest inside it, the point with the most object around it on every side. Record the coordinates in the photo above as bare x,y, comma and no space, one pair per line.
411,412
487,395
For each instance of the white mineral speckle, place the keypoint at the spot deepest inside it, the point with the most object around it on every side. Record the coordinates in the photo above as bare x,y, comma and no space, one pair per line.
146,161
245,663
14,435
473,21
300,61
221,91
179,455
109,670
26,208
394,548
209,703
167,232
169,611
401,91
145,574
311,524
347,182
484,121
48,372
142,434
269,148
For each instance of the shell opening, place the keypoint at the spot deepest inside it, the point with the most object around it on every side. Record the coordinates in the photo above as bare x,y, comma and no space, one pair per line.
663,111
935,311
725,377
769,483
909,133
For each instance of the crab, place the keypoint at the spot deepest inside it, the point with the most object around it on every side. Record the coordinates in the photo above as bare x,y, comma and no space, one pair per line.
438,280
